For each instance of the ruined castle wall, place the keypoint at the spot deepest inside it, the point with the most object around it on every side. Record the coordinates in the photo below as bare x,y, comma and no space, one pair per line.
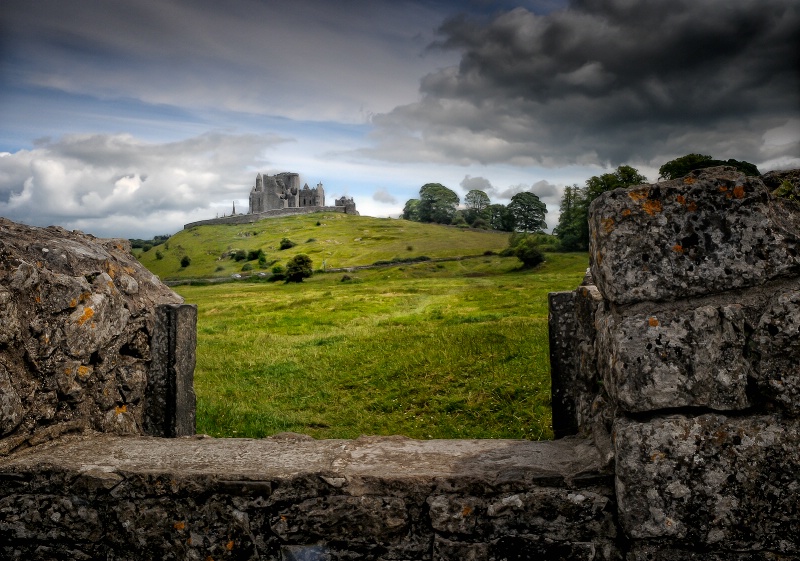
251,218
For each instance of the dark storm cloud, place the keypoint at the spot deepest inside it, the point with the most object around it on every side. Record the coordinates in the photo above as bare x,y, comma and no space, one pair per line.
608,81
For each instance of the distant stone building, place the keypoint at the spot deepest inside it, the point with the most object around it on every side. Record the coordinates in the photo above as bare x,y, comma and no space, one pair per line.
279,195
274,192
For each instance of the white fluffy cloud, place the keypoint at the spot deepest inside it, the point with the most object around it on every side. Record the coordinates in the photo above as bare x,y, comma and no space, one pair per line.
109,184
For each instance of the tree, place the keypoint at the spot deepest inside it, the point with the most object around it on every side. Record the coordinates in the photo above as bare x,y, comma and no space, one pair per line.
572,230
679,167
528,212
411,210
573,223
437,203
186,261
298,268
477,200
624,176
500,218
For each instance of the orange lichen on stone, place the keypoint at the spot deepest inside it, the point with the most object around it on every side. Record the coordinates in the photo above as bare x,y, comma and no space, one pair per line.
111,269
466,511
626,212
638,194
229,545
129,270
738,191
608,225
73,303
723,188
652,207
179,525
681,199
678,248
86,316
120,409
83,371
653,322
84,296
689,180
692,206
657,455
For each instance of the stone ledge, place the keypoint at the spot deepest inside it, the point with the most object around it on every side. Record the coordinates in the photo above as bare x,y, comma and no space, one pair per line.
292,497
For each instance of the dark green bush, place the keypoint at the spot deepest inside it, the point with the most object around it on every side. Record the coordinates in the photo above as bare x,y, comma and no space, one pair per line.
298,268
286,243
186,261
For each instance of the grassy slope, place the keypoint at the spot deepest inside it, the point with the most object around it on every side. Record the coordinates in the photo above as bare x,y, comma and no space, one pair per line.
432,350
340,241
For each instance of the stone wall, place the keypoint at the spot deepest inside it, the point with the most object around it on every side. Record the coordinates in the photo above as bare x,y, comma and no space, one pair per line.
255,217
687,353
676,391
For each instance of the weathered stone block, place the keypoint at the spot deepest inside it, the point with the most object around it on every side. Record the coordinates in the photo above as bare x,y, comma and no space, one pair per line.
711,231
776,346
675,358
76,316
170,404
573,366
342,518
659,552
710,482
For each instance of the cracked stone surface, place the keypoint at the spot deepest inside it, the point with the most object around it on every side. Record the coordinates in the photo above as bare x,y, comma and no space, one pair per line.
711,231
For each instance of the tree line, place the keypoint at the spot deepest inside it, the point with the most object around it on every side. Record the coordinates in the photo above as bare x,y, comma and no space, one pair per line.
439,205
526,212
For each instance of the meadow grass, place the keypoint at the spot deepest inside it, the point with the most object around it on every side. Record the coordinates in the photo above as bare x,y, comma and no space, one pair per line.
430,350
331,239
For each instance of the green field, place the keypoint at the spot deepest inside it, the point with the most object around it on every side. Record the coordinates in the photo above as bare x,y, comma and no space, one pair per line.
331,239
432,350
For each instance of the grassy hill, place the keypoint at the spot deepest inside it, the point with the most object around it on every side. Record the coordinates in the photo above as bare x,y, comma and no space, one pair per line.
452,349
332,240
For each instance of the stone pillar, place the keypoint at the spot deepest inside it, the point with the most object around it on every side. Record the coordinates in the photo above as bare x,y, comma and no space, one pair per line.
698,347
170,399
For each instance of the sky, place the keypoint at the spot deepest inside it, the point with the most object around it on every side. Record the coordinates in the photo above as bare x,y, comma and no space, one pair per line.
130,118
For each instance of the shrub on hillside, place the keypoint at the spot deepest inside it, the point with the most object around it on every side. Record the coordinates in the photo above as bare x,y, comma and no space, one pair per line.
278,273
528,252
286,243
298,268
186,261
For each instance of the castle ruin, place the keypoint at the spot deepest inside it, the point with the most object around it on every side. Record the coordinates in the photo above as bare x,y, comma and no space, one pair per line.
281,195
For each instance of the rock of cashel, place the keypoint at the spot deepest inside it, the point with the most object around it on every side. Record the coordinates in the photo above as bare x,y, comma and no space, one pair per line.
281,195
